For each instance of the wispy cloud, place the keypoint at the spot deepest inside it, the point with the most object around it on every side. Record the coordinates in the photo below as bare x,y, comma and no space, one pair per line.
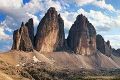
102,4
99,3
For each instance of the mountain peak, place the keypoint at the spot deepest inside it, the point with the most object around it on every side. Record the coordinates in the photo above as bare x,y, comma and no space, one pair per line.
81,16
50,32
22,24
79,39
51,9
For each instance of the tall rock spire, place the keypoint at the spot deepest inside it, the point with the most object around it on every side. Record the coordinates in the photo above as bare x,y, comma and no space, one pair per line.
23,37
30,27
50,32
82,36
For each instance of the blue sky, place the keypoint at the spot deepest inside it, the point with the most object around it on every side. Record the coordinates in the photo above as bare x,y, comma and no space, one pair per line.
103,14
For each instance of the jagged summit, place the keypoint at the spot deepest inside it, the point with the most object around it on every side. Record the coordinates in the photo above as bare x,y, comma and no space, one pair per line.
51,10
51,14
81,17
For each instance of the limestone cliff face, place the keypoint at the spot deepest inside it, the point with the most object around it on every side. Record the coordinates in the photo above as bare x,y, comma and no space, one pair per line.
50,32
21,38
102,46
82,36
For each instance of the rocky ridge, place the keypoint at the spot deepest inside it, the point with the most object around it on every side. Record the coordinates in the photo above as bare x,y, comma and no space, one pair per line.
50,36
102,46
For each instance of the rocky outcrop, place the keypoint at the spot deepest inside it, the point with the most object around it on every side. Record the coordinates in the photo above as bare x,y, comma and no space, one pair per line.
102,46
82,36
23,37
50,32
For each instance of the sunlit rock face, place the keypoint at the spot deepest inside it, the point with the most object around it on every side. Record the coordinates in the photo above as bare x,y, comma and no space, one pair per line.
82,36
50,32
102,46
21,38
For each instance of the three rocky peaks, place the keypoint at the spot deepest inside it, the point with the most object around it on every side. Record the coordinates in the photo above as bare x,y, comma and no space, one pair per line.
50,36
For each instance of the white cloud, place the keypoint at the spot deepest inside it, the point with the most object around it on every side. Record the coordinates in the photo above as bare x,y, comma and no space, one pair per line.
56,4
103,5
3,36
15,15
10,3
84,2
68,18
33,6
100,3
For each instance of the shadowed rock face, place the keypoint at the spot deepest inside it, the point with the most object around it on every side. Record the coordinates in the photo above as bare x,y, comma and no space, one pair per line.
30,27
82,36
100,43
22,39
50,32
102,46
